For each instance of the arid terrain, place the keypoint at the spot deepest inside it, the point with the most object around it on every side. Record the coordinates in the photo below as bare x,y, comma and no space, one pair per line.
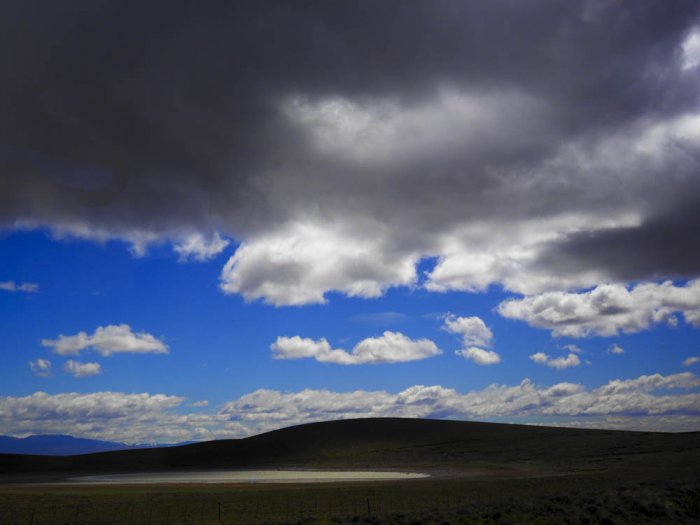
480,473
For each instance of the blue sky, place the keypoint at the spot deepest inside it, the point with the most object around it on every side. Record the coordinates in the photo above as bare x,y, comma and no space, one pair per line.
490,214
219,346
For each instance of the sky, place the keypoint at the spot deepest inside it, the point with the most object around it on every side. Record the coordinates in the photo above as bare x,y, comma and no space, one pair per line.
218,220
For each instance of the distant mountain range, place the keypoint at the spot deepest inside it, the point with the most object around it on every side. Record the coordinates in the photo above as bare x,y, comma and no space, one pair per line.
62,445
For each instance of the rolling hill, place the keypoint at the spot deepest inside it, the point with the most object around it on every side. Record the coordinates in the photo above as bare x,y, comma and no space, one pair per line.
385,443
481,473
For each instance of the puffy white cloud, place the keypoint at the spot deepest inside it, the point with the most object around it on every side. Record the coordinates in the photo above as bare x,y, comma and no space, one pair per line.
479,355
608,309
40,367
559,363
107,340
298,348
298,263
573,349
475,334
200,247
78,369
302,261
539,357
473,330
393,347
563,389
390,347
616,349
690,361
12,286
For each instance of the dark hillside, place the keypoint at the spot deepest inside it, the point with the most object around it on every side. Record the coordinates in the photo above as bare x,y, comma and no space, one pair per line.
380,443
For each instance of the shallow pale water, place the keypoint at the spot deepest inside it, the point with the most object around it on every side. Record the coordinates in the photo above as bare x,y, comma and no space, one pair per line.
247,476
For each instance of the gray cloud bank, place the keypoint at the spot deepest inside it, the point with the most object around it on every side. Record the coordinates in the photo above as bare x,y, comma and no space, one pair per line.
648,402
540,145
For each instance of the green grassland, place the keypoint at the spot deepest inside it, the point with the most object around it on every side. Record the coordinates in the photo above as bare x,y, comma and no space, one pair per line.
481,474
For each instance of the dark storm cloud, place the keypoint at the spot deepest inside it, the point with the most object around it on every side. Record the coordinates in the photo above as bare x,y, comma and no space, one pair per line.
264,120
660,248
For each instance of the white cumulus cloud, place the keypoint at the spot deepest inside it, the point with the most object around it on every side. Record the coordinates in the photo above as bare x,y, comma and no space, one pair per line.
200,247
390,347
40,367
573,349
300,262
473,330
608,309
78,369
475,335
616,349
479,355
107,340
690,361
559,363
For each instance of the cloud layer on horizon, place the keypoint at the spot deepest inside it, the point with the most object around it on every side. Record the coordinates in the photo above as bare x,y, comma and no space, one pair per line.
621,398
648,402
537,148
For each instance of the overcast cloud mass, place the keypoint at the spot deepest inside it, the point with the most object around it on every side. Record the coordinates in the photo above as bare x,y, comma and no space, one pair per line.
520,144
318,152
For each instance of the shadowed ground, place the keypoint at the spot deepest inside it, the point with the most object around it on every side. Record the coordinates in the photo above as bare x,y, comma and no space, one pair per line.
482,473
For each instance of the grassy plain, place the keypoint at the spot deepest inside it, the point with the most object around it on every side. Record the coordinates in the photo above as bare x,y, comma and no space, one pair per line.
482,474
